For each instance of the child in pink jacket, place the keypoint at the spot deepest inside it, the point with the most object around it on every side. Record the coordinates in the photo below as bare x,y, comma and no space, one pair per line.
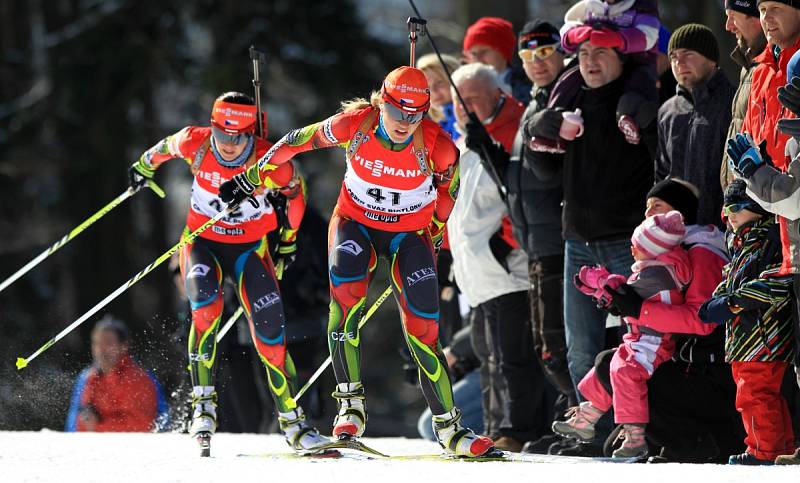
661,272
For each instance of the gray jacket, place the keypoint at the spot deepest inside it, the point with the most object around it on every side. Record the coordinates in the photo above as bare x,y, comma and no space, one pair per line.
691,139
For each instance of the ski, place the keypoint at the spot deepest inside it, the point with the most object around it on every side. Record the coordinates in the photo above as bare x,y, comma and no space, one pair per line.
204,440
347,442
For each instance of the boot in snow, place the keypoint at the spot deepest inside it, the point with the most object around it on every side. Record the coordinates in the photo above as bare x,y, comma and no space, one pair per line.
748,460
634,445
352,418
789,459
580,423
457,439
299,435
204,410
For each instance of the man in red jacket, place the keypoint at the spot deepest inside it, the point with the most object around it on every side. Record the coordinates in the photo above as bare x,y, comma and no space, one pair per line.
115,393
780,20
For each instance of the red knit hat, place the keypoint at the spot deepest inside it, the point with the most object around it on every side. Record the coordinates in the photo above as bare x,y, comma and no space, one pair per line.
407,88
659,234
495,32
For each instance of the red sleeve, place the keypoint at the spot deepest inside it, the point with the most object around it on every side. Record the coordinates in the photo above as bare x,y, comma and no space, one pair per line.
334,131
87,398
183,144
682,319
290,183
446,176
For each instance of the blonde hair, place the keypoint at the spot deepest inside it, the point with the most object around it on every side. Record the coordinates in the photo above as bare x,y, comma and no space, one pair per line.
429,63
357,103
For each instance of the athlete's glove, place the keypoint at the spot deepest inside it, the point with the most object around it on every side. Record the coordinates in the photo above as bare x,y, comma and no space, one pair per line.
744,157
436,229
138,176
238,189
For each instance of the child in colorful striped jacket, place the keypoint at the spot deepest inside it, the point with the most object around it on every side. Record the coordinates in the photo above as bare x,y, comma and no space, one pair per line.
754,303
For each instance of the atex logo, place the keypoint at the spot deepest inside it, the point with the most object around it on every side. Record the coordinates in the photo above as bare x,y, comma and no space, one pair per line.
198,270
350,247
420,275
262,303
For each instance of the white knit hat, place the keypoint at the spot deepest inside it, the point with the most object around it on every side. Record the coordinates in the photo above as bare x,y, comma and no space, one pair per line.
659,234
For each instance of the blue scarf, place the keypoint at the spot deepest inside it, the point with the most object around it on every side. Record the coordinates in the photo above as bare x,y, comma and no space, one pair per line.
239,160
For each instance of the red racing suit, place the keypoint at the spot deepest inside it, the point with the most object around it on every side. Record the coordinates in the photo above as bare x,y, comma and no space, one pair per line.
393,200
235,246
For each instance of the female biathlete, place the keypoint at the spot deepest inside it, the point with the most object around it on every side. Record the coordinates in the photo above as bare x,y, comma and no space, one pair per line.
236,246
399,187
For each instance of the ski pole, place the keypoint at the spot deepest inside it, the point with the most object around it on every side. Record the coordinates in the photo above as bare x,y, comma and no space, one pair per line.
23,362
77,231
231,320
258,58
361,323
485,158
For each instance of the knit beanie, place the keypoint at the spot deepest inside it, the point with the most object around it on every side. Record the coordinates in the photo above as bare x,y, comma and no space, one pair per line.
537,33
736,192
679,195
659,234
494,32
695,37
747,7
791,3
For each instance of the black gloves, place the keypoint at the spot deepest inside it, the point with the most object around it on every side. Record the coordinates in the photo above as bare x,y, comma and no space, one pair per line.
478,140
138,176
626,301
238,189
545,123
789,96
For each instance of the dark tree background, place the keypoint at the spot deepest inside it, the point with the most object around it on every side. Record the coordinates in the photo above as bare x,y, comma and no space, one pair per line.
87,85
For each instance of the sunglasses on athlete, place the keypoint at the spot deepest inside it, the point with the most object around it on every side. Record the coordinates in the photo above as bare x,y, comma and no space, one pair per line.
541,53
222,137
728,210
400,115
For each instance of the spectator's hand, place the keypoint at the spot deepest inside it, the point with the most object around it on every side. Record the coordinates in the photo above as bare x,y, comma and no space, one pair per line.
789,95
545,123
238,189
478,140
138,176
625,300
744,157
608,38
715,311
635,113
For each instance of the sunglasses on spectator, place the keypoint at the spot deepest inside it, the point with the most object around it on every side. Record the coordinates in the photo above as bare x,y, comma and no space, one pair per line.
541,53
728,210
222,137
399,115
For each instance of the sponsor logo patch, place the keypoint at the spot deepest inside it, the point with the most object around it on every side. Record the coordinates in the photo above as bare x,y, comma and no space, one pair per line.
420,275
265,301
350,247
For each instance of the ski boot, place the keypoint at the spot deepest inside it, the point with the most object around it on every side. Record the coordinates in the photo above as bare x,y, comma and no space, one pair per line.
580,424
634,445
459,440
204,417
352,418
299,435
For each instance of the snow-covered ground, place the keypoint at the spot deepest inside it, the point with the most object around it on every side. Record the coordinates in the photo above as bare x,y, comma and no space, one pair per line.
149,458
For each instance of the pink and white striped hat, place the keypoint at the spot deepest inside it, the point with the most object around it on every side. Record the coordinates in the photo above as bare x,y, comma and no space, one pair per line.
659,234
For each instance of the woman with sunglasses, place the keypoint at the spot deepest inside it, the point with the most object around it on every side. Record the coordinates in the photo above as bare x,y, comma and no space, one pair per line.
236,246
399,188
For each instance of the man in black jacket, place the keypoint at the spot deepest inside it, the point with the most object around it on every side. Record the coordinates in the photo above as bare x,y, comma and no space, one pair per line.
605,180
692,125
534,207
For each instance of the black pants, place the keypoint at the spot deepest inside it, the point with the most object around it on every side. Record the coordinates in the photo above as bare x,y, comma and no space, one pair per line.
546,276
515,399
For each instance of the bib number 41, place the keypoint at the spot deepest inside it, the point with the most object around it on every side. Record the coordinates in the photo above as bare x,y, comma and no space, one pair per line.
377,195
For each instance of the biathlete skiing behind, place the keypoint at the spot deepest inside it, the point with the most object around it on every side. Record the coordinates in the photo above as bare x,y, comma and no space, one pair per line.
399,188
237,247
